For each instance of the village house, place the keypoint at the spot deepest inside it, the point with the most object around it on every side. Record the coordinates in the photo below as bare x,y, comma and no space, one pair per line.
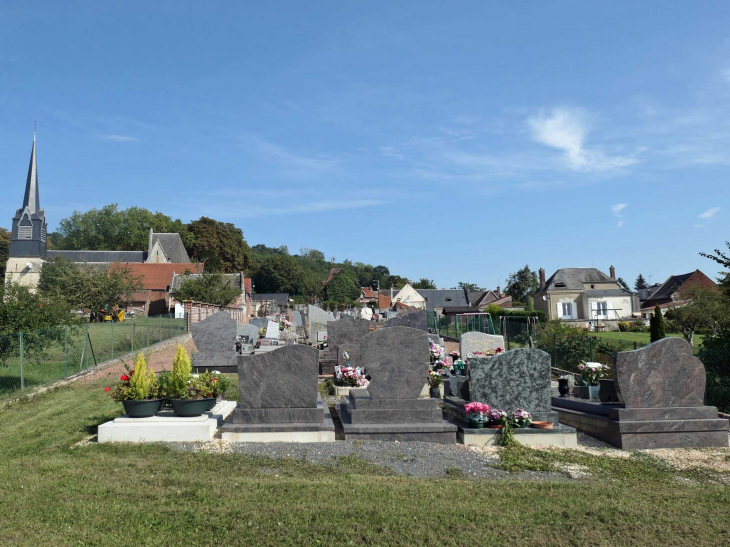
674,292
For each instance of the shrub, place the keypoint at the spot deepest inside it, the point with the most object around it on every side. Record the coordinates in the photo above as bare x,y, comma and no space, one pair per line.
180,374
657,325
141,380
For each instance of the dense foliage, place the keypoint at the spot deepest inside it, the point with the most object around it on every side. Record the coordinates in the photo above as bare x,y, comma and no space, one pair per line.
707,310
657,325
342,288
4,252
569,346
209,287
424,283
521,284
220,245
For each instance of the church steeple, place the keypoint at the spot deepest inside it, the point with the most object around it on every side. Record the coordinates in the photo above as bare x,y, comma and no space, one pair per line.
29,233
32,199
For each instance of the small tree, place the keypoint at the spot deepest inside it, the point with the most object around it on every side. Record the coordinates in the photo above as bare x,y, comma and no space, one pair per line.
529,303
522,284
342,288
211,288
640,283
657,326
705,310
424,283
180,373
142,379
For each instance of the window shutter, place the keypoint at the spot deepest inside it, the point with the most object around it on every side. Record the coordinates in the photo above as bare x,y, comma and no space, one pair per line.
560,310
574,310
610,314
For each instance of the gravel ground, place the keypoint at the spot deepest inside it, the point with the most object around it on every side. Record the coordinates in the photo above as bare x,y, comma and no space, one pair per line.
414,459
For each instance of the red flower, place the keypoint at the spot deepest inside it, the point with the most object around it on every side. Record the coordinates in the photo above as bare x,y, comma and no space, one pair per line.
125,378
107,388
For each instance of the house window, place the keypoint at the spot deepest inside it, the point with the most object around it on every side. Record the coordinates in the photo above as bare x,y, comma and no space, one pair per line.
567,309
602,309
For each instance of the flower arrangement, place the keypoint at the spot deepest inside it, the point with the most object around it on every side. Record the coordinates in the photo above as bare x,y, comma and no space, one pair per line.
435,379
213,384
521,418
437,352
476,412
590,372
137,385
350,376
496,416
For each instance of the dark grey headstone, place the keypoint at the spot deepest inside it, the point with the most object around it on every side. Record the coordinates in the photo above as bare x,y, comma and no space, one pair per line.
397,360
661,375
284,378
346,332
259,322
519,378
216,333
297,318
353,350
251,331
415,320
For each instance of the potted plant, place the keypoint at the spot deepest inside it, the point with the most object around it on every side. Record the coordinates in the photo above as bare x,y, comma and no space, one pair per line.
476,414
220,385
434,383
521,418
186,390
496,418
137,390
590,372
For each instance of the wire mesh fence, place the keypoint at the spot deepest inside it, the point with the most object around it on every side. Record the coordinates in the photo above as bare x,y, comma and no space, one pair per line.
29,359
717,369
456,325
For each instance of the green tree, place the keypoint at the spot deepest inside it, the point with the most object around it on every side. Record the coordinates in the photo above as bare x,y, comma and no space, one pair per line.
424,283
4,252
342,288
62,277
470,287
529,303
623,284
706,309
657,325
640,283
280,274
220,245
112,229
208,287
723,260
314,254
521,284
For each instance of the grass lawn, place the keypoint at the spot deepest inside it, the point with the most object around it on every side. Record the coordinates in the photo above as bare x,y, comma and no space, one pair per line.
56,491
65,351
641,338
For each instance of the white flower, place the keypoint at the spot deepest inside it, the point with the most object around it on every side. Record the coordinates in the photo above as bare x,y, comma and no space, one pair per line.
196,375
216,372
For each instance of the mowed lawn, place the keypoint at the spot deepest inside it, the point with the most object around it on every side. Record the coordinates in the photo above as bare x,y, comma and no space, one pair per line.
641,338
56,490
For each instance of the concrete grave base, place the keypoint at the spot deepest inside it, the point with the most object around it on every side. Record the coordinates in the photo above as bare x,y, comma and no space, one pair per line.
166,427
637,429
316,432
562,437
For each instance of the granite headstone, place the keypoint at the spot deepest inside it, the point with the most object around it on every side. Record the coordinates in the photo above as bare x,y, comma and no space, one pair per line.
415,320
272,330
471,342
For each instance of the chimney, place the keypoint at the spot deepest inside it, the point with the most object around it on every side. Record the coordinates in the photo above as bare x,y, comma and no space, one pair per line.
612,272
542,278
499,292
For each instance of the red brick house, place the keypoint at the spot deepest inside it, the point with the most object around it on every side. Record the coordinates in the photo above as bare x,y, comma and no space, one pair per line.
675,290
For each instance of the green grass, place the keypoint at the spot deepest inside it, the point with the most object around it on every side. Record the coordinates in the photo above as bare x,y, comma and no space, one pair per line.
55,492
67,354
641,338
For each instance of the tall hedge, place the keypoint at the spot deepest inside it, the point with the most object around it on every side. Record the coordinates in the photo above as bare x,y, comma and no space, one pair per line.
657,325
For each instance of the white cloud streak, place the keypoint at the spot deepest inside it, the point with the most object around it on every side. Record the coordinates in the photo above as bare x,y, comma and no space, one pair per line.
710,212
616,209
306,208
566,129
120,138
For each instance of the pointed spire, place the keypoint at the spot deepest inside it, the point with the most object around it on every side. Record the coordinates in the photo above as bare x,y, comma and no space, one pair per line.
32,199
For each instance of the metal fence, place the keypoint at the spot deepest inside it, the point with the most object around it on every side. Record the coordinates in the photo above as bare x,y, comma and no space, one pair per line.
29,359
456,325
717,368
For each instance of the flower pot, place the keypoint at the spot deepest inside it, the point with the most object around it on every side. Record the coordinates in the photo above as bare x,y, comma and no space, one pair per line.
495,426
543,425
211,402
476,425
142,409
563,387
607,392
434,393
189,407
593,393
581,392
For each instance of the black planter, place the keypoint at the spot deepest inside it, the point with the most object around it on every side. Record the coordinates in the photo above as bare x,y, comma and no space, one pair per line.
563,387
607,392
189,408
142,409
211,402
434,393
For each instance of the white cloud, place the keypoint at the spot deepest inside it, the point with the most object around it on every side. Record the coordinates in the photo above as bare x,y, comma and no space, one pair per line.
566,129
312,207
120,138
709,213
616,209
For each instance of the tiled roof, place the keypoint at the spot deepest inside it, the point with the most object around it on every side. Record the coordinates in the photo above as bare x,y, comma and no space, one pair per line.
159,276
384,301
101,256
573,278
439,298
367,292
247,284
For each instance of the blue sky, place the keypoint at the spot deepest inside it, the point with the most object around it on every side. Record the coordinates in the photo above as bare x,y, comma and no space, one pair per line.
457,141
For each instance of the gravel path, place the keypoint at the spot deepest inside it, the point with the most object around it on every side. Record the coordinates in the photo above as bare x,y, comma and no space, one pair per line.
414,459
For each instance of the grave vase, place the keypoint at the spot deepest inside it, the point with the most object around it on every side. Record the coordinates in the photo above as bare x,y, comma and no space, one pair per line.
434,393
563,387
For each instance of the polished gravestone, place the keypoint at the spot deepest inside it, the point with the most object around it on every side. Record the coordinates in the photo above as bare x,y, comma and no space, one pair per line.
662,386
345,335
278,399
473,342
415,320
519,378
215,340
390,408
251,331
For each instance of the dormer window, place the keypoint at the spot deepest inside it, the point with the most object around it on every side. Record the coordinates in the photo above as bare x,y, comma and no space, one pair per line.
560,284
448,299
593,286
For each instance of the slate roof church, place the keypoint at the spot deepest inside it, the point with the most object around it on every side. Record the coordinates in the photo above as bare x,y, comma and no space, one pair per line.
29,250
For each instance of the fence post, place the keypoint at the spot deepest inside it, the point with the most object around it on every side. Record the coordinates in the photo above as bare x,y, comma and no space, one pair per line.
555,352
65,352
85,340
22,367
112,340
148,331
635,347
